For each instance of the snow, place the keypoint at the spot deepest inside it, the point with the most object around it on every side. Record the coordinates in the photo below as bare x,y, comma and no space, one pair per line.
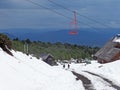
110,71
117,38
23,73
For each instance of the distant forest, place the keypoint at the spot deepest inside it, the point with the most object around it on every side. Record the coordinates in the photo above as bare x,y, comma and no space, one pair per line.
61,51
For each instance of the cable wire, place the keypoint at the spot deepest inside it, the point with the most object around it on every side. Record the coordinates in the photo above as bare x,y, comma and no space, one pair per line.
78,14
37,4
48,9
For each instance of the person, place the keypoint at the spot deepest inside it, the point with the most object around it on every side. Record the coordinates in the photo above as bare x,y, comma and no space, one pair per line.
68,66
63,65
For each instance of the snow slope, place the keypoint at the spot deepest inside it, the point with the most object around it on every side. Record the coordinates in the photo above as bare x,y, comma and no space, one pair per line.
23,72
110,71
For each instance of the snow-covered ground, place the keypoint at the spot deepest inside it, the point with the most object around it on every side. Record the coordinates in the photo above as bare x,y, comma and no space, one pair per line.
23,72
110,71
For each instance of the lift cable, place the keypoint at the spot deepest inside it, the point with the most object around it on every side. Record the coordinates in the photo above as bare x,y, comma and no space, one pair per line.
37,4
79,14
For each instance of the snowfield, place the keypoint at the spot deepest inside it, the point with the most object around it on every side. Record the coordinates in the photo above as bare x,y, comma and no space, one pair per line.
23,72
109,70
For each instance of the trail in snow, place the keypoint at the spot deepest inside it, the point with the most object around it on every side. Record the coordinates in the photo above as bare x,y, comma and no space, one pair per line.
97,82
105,79
86,82
93,82
21,72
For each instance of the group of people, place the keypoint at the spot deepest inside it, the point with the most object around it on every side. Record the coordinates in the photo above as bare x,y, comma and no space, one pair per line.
67,66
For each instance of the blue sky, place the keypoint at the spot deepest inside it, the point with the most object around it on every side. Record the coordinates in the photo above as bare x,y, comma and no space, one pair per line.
22,14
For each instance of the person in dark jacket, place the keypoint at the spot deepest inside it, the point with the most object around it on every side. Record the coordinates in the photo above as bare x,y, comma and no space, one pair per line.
63,65
68,66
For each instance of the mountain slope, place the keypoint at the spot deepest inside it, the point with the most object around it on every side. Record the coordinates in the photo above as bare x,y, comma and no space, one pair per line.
22,73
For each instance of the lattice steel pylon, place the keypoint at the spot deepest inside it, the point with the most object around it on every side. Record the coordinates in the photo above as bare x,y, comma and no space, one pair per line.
74,25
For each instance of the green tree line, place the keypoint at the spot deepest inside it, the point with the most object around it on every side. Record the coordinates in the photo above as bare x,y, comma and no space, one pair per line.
62,51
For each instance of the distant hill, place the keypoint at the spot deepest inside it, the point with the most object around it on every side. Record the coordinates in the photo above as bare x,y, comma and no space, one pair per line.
10,35
87,37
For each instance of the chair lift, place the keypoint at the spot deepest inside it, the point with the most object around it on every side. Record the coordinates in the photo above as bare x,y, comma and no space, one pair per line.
74,25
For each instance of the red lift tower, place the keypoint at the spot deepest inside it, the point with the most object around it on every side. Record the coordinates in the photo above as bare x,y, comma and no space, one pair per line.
74,25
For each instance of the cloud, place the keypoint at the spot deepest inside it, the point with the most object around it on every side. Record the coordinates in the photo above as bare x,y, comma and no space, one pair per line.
32,18
114,24
22,14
